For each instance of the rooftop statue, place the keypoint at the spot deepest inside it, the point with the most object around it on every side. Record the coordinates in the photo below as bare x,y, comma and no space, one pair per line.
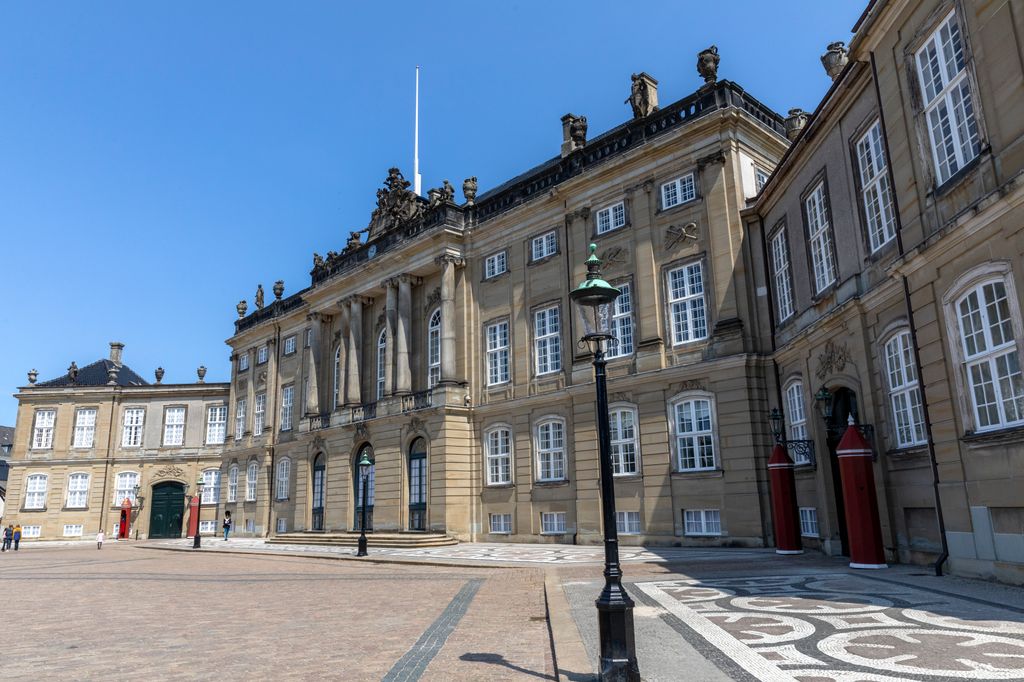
395,204
707,64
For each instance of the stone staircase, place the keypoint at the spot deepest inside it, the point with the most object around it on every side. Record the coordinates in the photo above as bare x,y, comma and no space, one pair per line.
407,540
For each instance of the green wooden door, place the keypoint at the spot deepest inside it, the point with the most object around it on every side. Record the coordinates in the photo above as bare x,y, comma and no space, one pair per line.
166,508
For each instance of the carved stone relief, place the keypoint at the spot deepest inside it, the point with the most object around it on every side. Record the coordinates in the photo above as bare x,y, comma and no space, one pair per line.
833,358
679,235
169,471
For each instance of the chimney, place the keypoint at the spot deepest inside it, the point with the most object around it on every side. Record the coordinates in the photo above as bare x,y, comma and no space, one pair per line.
116,351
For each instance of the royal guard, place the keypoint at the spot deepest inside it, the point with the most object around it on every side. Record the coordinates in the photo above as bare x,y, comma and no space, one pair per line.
784,509
863,524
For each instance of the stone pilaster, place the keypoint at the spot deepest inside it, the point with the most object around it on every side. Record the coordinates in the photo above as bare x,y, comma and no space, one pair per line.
354,349
390,323
312,405
403,372
448,263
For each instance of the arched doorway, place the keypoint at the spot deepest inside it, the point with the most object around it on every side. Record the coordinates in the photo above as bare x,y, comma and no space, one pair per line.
418,485
844,404
319,483
166,510
357,479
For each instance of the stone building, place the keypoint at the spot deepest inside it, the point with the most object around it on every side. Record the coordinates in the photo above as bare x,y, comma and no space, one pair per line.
892,270
443,344
100,447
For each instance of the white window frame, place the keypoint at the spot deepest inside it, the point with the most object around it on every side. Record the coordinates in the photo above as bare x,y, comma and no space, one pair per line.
36,489
262,355
43,428
952,97
552,523
679,191
904,390
498,358
208,526
85,428
233,483
702,522
875,191
434,349
688,315
782,275
216,424
283,478
624,447
760,178
499,455
611,218
809,522
134,421
252,474
78,490
289,345
337,378
31,532
628,522
621,322
543,246
547,340
382,363
282,524
503,525
124,487
243,361
550,445
287,406
819,238
240,416
796,418
174,426
71,530
259,413
496,264
211,486
700,440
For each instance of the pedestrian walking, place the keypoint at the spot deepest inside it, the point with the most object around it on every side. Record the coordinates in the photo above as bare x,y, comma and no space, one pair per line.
99,539
8,537
227,525
17,536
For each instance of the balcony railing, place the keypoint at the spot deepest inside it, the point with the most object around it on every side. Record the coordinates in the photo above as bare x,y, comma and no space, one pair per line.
364,412
416,401
320,421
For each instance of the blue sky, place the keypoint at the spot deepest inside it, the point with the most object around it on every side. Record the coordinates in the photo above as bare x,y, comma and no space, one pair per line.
158,160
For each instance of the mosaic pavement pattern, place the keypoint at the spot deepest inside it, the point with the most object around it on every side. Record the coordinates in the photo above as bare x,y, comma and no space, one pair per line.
847,628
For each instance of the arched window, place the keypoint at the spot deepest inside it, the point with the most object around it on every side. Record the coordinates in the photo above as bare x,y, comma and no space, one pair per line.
211,486
382,345
624,441
694,432
796,416
498,453
904,393
551,450
434,349
252,472
125,487
337,377
78,491
284,472
35,491
233,483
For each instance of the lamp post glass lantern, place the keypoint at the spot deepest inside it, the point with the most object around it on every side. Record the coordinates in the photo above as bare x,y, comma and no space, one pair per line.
196,542
593,297
365,463
775,423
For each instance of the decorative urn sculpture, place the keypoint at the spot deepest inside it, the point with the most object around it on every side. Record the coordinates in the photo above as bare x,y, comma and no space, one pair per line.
795,122
469,190
159,373
835,59
201,373
33,376
707,64
241,308
278,289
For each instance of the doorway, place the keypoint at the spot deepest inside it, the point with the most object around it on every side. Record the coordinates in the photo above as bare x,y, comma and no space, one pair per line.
319,480
418,485
166,510
844,404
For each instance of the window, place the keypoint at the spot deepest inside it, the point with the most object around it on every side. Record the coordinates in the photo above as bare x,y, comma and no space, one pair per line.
211,486
124,488
904,394
289,345
208,526
284,470
72,530
874,188
551,451
552,523
624,442
695,450
497,353
499,456
622,323
35,491
261,355
131,435
243,361
259,414
543,246
809,522
611,218
686,300
702,522
679,191
42,434
627,522
797,417
382,348
501,523
782,275
250,526
819,235
434,349
547,340
233,483
287,402
78,491
760,178
282,525
216,424
948,104
337,378
30,532
240,418
252,472
174,426
495,264
85,428
991,356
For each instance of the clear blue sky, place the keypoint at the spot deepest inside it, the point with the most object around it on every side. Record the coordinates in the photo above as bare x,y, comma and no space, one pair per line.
158,160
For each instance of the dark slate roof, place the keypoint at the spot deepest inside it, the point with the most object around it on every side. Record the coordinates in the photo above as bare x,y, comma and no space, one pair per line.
96,375
6,436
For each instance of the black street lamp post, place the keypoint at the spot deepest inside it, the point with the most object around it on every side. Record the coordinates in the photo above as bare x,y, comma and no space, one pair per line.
618,662
364,473
196,542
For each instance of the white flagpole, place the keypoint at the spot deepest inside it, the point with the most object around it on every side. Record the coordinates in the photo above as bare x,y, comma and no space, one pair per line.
417,180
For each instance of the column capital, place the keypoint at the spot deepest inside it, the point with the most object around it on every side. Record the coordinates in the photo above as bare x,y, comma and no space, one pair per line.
390,282
356,299
406,278
312,317
446,259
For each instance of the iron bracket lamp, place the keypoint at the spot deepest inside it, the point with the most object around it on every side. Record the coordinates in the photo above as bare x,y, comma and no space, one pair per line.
196,542
800,451
365,463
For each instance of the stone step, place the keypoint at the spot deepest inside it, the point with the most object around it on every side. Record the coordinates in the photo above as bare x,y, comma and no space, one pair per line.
351,539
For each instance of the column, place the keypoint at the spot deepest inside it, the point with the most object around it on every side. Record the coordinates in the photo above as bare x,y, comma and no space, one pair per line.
403,373
448,263
353,351
390,322
312,400
342,378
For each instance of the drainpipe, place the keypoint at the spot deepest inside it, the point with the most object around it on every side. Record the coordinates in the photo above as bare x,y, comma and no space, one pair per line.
939,518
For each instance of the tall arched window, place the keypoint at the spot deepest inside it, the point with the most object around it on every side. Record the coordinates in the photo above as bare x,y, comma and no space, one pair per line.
498,453
284,472
211,486
252,472
693,427
357,479
78,491
337,377
233,483
35,491
125,488
624,440
551,450
382,345
434,349
904,394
